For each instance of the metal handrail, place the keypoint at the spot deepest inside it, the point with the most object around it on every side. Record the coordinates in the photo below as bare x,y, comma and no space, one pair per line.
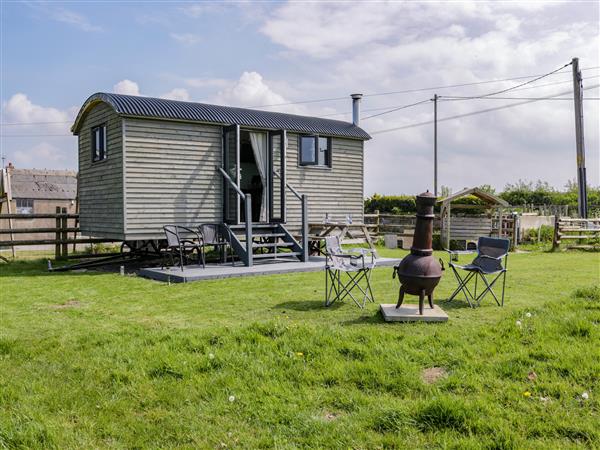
304,206
289,186
228,178
248,212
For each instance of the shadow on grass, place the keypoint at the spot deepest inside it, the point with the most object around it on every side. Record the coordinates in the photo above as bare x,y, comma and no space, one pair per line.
307,305
373,319
454,304
39,267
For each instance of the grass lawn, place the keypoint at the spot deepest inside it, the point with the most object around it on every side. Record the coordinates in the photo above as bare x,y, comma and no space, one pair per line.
96,360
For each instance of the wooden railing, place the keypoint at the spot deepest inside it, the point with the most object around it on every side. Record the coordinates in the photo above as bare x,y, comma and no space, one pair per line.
60,231
577,230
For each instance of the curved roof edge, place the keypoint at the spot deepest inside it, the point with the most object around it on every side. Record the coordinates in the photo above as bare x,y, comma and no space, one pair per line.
158,108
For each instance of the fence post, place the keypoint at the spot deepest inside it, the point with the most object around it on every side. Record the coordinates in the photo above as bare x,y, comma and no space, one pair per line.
64,233
57,247
377,222
556,238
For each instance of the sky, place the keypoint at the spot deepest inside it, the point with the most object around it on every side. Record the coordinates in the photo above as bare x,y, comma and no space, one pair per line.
56,54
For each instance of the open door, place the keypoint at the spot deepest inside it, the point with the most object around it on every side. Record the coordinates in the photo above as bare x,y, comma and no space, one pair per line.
231,165
277,148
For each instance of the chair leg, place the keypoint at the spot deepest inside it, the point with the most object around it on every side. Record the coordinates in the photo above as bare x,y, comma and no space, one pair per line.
462,286
489,289
503,287
372,298
330,287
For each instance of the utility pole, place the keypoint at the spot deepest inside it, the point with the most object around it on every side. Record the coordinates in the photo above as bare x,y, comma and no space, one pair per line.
578,103
435,155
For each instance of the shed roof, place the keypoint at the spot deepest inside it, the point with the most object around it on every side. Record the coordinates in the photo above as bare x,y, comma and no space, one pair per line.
43,184
483,195
159,108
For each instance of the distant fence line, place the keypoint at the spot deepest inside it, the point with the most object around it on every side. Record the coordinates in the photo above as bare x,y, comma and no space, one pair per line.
65,225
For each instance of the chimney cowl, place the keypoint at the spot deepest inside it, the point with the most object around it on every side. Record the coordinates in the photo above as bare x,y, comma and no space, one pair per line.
356,108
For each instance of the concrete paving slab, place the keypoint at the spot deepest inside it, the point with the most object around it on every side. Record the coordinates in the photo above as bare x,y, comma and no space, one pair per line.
410,313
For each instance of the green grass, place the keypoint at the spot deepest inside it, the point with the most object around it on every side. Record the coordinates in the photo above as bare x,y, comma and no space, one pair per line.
96,360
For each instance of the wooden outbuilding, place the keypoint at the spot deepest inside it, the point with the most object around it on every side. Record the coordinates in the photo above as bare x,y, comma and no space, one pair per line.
147,162
470,228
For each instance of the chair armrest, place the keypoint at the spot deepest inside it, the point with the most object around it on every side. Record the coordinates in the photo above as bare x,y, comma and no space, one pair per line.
345,255
362,251
191,231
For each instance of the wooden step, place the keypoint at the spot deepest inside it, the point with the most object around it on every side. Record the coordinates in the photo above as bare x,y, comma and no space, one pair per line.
272,245
254,226
276,255
242,237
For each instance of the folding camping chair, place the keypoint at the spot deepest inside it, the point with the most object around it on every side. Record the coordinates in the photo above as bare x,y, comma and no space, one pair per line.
487,263
354,265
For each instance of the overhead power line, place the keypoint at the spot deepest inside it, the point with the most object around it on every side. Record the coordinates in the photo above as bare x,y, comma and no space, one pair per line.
397,109
539,77
473,113
408,91
447,98
521,84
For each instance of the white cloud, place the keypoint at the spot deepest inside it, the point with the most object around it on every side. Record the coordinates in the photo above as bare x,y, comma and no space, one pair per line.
75,19
412,45
42,123
42,155
177,94
126,87
249,90
19,109
186,38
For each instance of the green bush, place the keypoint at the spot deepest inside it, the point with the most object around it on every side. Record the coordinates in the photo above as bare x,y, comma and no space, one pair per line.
546,234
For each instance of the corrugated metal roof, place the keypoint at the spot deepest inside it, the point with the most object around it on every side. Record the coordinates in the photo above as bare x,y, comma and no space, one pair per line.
159,108
43,184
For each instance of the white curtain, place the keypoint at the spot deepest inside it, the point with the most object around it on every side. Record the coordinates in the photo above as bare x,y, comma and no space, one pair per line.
259,147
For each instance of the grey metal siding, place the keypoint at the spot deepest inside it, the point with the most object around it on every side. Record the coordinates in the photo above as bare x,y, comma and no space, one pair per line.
101,183
170,175
337,191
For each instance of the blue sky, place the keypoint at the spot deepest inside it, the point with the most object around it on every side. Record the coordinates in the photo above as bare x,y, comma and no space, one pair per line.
55,54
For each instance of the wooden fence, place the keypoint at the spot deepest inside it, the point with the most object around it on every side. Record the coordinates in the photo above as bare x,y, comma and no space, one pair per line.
65,232
577,230
464,228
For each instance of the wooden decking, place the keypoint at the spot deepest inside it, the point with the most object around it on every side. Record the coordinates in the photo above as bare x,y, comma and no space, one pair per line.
218,271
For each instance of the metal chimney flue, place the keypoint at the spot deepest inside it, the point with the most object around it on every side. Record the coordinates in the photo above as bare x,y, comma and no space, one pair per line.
356,108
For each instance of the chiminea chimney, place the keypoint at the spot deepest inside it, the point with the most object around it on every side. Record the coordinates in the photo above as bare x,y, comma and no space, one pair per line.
356,108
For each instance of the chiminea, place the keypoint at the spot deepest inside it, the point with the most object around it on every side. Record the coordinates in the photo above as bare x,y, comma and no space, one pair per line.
419,273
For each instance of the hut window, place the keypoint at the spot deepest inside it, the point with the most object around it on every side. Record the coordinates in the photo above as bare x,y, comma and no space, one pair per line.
24,206
315,151
99,143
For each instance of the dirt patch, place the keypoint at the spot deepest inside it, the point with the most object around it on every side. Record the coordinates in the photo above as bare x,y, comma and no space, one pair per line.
68,304
329,416
433,374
